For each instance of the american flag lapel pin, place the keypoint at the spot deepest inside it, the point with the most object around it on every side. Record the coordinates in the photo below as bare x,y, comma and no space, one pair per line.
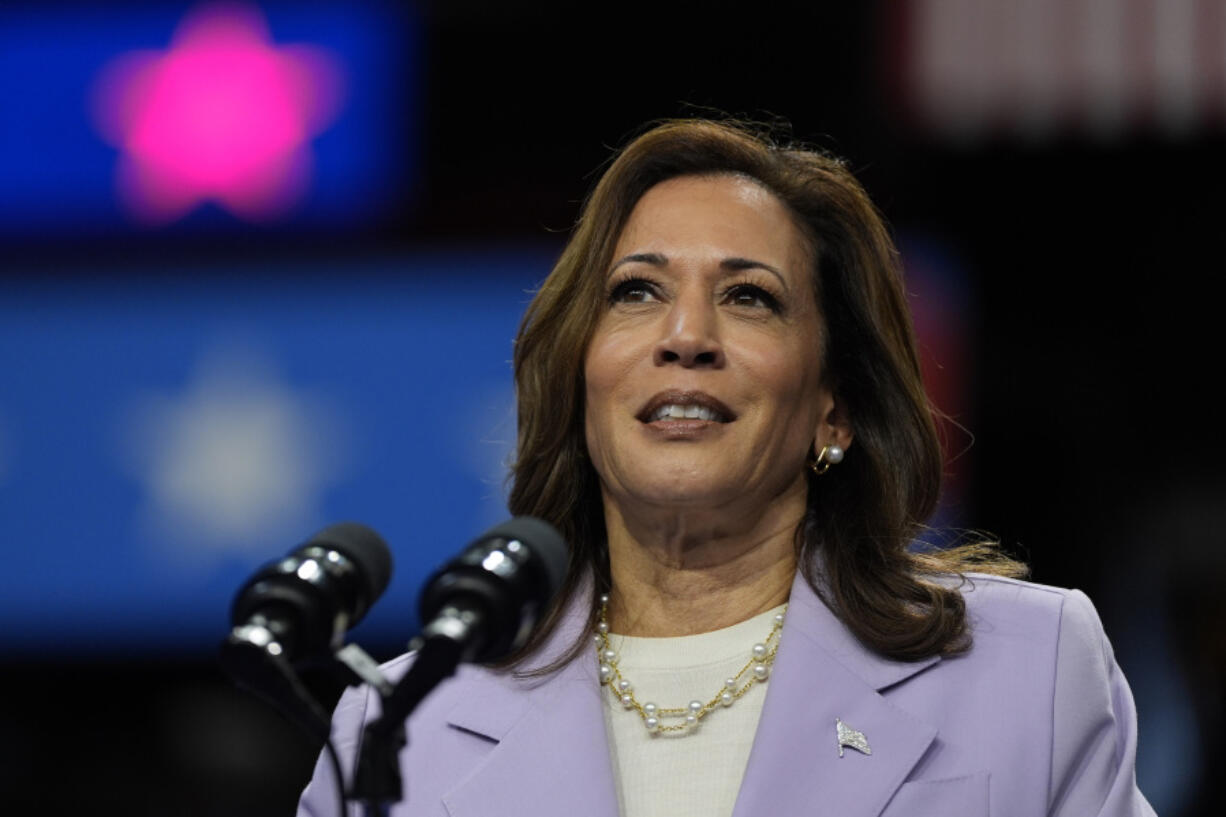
850,738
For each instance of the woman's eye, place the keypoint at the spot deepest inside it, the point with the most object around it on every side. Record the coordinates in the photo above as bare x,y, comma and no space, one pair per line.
750,295
634,291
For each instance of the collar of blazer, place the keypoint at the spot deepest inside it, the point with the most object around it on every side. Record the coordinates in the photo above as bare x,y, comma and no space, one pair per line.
553,754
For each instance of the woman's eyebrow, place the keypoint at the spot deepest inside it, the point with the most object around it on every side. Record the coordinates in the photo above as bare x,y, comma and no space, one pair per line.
655,259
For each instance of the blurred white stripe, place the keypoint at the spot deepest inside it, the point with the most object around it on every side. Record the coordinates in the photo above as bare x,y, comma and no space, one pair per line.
1178,86
1103,65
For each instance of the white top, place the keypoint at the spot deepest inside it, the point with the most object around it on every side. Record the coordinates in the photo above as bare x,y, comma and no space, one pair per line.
684,774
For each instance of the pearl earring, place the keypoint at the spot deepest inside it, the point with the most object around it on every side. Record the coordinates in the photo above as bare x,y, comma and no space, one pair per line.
830,455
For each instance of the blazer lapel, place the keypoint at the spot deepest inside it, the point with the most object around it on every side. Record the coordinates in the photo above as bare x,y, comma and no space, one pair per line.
552,757
821,676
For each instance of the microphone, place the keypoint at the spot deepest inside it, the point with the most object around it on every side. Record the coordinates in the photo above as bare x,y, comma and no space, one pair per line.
487,600
480,606
301,606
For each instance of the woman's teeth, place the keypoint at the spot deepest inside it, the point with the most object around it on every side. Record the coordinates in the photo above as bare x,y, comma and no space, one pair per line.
678,412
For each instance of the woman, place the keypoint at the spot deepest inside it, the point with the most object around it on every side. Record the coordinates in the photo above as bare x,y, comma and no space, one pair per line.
720,407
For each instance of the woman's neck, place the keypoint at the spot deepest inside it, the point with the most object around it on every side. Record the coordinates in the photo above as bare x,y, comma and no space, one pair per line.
681,573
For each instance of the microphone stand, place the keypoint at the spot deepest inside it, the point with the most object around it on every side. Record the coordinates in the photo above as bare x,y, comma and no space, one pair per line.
258,663
449,639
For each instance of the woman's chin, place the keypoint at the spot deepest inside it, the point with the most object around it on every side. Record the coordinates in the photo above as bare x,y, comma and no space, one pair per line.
686,494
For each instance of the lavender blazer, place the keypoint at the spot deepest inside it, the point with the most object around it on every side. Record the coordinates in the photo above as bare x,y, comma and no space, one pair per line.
1035,720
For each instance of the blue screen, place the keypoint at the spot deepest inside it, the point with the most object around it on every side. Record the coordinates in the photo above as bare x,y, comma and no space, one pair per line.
162,437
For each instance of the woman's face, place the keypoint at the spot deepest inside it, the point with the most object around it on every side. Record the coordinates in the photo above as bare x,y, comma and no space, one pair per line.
703,378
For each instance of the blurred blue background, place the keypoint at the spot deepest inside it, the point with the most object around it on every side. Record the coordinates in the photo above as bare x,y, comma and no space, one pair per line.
261,265
163,435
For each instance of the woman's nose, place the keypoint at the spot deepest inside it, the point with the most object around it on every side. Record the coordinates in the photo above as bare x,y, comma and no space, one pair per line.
691,335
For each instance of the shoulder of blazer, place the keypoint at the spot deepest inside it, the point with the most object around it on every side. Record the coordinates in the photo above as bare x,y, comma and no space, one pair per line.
999,607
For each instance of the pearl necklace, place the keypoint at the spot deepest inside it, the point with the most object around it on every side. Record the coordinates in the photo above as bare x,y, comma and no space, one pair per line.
755,671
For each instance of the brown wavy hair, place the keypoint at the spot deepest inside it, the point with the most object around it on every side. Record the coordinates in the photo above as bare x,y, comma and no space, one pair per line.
865,514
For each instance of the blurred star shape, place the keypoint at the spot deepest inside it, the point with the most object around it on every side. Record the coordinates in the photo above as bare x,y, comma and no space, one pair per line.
222,115
235,461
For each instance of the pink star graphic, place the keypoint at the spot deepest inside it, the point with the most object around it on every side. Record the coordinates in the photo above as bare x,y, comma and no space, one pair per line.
222,115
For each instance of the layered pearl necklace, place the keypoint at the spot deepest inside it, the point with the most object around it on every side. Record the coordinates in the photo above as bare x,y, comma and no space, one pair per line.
756,670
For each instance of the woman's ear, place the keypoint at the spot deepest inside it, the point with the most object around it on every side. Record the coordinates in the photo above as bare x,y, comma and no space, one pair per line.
834,428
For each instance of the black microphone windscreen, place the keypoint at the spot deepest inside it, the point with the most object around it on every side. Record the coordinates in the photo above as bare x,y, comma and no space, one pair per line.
362,546
543,540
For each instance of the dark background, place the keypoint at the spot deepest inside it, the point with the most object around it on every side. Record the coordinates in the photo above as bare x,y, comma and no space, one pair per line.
1090,259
